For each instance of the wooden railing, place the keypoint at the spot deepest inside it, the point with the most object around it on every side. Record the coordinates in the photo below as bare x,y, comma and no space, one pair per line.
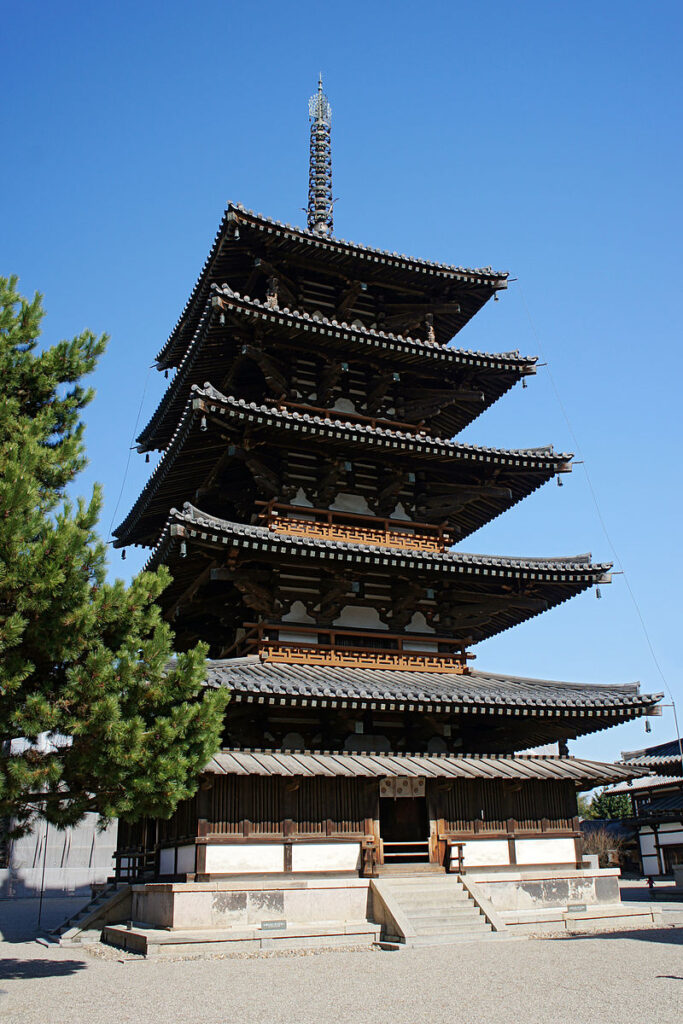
352,648
328,524
139,864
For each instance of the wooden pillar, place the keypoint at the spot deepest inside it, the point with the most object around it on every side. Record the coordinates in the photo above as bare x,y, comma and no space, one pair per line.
578,851
512,847
658,848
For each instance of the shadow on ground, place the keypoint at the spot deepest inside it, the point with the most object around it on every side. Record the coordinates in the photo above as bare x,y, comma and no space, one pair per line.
13,970
672,936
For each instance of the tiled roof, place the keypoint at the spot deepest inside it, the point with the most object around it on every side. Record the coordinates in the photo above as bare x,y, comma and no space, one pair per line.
664,757
451,766
672,802
531,466
448,692
383,436
647,782
327,327
336,248
521,587
203,357
575,568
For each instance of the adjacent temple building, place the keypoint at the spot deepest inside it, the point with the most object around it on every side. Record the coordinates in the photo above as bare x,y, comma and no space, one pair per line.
313,504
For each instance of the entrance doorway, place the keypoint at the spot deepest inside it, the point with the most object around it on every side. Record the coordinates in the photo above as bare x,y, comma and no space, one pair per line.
404,828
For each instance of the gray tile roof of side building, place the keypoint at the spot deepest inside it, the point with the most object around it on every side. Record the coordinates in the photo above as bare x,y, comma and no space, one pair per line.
335,764
646,783
662,755
672,803
445,691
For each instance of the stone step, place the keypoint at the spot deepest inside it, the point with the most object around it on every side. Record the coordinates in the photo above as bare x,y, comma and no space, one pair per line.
430,899
468,927
443,892
407,870
446,921
475,935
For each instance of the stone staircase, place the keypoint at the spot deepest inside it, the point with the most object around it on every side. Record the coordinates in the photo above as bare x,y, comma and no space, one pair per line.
428,909
87,923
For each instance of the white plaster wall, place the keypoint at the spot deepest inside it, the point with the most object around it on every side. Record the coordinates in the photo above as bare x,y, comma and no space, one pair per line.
485,852
244,859
167,861
298,613
420,645
345,502
647,843
186,862
545,851
670,834
301,499
325,856
400,513
344,405
358,617
292,637
418,624
650,864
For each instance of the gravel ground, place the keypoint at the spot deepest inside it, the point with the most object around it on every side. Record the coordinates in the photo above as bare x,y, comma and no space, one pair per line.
634,977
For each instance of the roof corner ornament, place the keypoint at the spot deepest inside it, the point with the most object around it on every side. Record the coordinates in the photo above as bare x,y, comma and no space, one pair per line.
319,210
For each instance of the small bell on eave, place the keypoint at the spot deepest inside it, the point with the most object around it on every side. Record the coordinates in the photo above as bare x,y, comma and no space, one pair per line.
598,593
123,555
559,482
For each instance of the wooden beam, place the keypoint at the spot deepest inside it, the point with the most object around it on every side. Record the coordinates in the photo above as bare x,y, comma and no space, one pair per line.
349,296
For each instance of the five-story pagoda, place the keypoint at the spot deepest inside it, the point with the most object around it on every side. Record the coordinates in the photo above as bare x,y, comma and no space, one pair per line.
311,503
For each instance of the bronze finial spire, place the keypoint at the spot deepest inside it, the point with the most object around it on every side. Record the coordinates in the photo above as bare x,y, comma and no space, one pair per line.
320,167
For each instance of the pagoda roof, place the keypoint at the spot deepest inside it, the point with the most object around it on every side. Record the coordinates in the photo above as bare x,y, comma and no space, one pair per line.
663,757
448,692
204,358
183,463
401,347
554,580
333,764
332,254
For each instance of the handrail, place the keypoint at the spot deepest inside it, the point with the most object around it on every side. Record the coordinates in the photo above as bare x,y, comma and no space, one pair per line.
350,526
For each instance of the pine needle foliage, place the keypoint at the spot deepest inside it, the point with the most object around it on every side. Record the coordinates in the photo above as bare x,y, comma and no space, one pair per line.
83,663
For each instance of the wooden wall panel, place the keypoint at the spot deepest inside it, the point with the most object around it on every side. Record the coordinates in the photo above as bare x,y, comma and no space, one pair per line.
484,806
310,807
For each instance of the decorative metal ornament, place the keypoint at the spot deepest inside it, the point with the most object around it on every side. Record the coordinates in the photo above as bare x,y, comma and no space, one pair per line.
319,210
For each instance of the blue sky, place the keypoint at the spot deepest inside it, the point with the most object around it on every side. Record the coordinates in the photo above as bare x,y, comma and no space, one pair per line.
539,138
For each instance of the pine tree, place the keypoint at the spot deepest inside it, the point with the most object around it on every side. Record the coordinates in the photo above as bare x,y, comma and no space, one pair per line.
82,660
606,805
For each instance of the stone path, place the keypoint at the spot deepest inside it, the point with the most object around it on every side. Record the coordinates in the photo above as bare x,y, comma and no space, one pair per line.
634,977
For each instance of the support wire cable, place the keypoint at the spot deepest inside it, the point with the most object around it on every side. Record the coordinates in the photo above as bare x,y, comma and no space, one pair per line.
601,518
131,447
